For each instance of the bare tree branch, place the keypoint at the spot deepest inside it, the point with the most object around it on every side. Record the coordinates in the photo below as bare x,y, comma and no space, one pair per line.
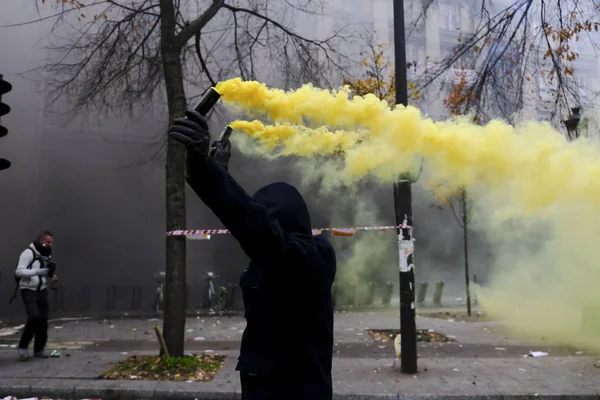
199,23
201,59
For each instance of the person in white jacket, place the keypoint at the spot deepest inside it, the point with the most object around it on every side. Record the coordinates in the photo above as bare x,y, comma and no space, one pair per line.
34,271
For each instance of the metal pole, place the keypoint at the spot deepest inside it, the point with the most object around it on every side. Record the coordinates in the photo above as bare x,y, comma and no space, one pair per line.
403,206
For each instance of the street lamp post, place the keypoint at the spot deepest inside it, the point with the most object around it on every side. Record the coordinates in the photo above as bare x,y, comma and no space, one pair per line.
403,211
572,124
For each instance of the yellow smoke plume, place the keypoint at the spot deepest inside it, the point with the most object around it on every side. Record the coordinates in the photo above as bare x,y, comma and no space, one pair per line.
528,173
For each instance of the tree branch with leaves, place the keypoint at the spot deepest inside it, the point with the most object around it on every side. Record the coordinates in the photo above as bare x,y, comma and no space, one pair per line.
513,44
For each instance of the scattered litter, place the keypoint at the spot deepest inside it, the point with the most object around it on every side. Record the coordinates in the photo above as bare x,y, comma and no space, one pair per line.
382,347
450,320
500,349
112,326
579,352
196,339
58,327
456,370
430,330
189,330
218,322
188,381
133,377
55,354
522,369
538,354
135,329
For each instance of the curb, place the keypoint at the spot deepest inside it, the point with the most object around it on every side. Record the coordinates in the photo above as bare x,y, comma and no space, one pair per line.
74,389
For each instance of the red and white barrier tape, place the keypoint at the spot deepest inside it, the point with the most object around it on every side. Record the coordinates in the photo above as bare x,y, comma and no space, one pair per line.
206,233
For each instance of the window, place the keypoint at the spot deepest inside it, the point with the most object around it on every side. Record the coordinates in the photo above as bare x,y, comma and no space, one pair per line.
582,86
543,115
543,89
358,11
450,16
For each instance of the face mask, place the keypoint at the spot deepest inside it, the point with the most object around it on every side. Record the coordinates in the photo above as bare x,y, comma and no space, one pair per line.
43,249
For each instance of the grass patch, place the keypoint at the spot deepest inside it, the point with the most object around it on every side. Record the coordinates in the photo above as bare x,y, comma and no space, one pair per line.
423,335
201,368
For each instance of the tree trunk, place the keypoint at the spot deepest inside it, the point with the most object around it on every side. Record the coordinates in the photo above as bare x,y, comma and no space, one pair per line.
465,224
175,282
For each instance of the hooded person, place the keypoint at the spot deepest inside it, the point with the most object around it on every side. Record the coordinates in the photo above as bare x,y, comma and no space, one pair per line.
287,346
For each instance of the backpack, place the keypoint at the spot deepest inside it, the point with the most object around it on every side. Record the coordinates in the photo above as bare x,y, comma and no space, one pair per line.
18,280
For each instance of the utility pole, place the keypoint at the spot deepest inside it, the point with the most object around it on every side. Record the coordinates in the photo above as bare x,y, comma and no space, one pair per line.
403,208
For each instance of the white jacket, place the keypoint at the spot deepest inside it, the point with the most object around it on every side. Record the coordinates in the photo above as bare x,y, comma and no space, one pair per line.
29,278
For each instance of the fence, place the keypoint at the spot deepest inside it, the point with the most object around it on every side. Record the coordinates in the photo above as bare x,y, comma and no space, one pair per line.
131,298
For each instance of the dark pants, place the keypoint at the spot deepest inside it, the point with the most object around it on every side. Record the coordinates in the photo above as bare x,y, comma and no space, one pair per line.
281,385
36,307
263,387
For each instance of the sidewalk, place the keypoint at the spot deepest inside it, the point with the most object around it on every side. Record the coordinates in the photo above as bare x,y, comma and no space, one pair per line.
484,363
74,378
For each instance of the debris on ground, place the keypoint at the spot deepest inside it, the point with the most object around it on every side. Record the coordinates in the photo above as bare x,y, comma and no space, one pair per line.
196,339
423,335
201,368
538,354
455,316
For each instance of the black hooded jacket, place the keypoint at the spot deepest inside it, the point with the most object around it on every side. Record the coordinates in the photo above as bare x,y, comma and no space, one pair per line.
287,286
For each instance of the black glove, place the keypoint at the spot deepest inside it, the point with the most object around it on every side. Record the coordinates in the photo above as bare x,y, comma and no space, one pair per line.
221,153
192,132
51,265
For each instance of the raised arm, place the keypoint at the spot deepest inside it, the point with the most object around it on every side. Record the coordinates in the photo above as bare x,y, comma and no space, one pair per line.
260,236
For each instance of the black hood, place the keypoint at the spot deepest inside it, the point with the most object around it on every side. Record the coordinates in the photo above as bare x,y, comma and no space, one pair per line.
286,205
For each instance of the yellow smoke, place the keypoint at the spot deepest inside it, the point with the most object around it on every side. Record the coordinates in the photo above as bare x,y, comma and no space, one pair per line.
299,140
528,173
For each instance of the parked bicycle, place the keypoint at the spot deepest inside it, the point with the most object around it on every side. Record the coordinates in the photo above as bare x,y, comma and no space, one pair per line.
215,299
159,300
